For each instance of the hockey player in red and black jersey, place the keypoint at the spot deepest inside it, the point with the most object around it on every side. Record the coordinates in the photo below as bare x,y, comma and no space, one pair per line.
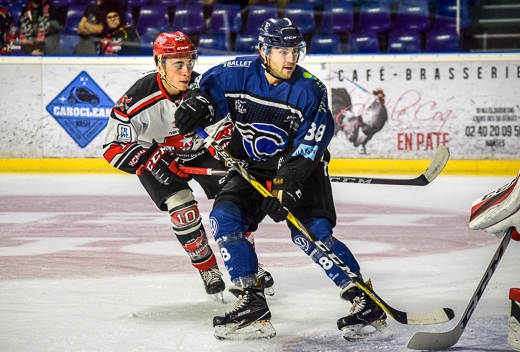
142,138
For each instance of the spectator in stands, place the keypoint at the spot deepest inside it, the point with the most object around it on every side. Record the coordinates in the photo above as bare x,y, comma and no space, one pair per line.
39,28
121,37
91,30
7,31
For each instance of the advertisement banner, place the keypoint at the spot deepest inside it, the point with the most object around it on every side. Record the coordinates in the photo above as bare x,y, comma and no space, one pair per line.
384,108
405,110
77,104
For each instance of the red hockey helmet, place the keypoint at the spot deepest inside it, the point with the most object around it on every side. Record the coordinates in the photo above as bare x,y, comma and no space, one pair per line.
176,44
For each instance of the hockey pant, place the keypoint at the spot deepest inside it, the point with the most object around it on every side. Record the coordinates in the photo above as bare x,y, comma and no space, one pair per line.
187,225
229,225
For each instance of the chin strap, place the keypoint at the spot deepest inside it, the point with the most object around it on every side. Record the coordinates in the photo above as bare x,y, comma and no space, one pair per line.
163,74
267,68
163,78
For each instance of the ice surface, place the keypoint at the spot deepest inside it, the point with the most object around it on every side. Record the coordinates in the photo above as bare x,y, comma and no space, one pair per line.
89,264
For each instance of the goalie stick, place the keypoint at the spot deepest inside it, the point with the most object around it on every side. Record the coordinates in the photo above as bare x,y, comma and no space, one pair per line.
436,166
432,317
442,340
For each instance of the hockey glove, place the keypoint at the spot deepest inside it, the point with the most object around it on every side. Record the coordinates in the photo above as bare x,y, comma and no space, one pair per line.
196,110
285,195
160,163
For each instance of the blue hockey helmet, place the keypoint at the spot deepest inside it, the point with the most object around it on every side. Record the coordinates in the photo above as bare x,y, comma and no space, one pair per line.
282,33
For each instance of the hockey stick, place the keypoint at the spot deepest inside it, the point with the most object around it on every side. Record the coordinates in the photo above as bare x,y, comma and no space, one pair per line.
442,340
438,163
436,166
432,317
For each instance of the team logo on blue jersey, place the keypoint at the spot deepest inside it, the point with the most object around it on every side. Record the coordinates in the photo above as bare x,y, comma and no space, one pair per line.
82,109
261,140
307,151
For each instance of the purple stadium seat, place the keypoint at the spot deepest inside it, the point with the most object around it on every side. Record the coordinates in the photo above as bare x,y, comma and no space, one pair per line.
442,41
446,14
225,19
311,3
325,44
63,3
72,19
246,43
374,16
137,3
153,19
15,9
404,42
302,16
413,15
169,3
363,43
68,43
337,18
129,18
189,19
213,44
257,14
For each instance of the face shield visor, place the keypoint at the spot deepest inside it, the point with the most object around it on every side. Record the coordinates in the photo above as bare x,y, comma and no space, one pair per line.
177,57
299,52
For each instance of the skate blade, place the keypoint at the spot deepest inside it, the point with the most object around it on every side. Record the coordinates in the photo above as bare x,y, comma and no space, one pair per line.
219,297
269,291
377,331
257,330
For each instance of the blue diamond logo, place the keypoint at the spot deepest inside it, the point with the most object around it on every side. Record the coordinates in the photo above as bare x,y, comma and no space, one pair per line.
82,109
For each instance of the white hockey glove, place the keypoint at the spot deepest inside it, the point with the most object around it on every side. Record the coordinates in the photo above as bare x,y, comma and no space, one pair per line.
498,211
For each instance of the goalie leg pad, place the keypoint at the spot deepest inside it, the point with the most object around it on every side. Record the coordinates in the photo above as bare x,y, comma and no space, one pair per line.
498,210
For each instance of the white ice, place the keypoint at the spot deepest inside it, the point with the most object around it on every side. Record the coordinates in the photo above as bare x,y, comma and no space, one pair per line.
171,312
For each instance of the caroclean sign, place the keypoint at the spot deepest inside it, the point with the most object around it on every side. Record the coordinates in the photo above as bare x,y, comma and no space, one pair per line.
82,109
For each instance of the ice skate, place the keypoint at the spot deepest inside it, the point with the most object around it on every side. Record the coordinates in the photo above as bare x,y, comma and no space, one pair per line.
366,319
213,282
248,319
266,280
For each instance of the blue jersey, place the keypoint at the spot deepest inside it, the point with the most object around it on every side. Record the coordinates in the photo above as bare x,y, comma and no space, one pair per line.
289,124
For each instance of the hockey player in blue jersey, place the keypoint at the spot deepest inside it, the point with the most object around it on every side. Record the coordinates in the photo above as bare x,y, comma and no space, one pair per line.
282,127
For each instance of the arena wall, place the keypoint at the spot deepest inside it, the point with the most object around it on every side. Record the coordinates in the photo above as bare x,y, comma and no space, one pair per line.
53,111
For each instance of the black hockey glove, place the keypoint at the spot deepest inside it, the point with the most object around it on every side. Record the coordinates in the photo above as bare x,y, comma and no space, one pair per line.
285,195
158,161
196,110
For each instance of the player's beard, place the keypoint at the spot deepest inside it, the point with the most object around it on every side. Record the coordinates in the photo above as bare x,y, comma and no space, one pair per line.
280,72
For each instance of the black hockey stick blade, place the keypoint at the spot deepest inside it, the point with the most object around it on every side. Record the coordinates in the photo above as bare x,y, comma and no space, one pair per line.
432,317
443,340
439,161
436,316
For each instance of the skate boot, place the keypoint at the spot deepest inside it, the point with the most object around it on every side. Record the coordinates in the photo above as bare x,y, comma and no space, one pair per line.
249,317
266,280
213,282
364,312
